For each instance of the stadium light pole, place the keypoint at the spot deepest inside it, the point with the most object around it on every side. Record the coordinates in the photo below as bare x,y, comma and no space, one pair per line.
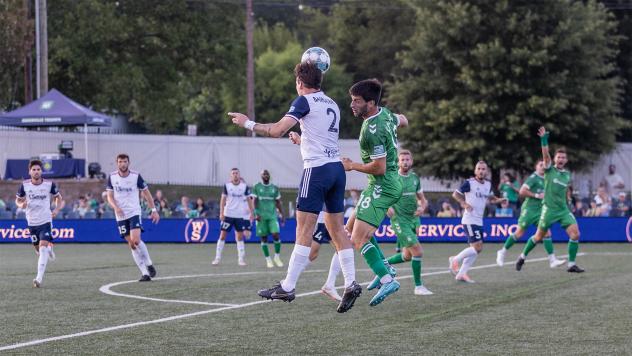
250,65
41,46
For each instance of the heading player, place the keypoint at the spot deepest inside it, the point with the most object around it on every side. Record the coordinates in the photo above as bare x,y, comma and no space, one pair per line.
267,200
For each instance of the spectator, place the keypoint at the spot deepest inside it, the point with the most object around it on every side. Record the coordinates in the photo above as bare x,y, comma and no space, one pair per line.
447,211
621,206
82,207
504,210
579,209
103,205
158,198
603,201
200,206
165,211
184,207
593,211
614,182
584,188
93,203
3,205
509,188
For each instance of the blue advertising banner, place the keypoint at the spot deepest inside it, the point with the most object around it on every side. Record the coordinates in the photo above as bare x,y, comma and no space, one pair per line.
207,230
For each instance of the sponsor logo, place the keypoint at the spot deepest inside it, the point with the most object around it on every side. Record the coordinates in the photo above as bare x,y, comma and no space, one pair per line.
628,230
557,181
47,105
196,230
13,233
373,128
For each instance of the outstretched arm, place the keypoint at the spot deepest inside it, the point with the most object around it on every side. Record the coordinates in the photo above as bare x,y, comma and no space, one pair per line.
276,129
544,141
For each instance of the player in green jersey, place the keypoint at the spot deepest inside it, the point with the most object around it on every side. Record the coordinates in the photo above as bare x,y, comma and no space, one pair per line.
555,205
533,192
267,210
405,220
378,150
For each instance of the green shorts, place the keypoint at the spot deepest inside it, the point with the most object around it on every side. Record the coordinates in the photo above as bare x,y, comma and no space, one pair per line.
406,231
529,216
550,217
375,201
266,227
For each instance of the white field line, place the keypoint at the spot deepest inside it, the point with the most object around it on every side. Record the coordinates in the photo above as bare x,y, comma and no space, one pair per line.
204,312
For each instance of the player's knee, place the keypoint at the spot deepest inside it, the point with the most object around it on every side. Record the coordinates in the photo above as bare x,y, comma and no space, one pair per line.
575,235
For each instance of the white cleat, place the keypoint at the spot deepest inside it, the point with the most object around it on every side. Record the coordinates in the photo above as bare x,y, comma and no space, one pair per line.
500,258
422,290
242,263
465,278
454,265
556,263
36,283
277,261
269,263
331,293
216,262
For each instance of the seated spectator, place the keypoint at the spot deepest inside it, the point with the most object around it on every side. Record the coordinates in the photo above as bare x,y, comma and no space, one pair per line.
184,207
3,205
82,207
593,211
92,202
104,205
621,206
158,197
447,211
604,202
579,209
202,209
164,209
509,188
504,210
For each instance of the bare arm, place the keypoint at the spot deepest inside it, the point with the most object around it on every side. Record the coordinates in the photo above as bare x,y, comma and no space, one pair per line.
422,203
251,207
460,198
222,204
59,204
276,129
20,202
496,200
117,210
279,206
155,217
403,120
526,193
376,167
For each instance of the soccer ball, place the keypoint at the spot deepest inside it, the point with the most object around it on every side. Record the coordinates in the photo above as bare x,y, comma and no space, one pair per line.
318,56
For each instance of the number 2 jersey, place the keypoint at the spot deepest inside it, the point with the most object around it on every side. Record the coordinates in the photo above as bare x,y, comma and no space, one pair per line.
126,192
38,201
319,117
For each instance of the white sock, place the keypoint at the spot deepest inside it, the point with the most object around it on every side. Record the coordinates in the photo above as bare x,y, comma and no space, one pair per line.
346,259
503,249
387,278
140,262
552,257
470,251
334,269
41,263
467,264
276,255
296,266
143,249
571,264
241,250
219,249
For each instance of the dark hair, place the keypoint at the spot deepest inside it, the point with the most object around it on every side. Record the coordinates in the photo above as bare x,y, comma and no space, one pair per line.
122,156
560,150
538,162
309,74
234,169
368,89
35,162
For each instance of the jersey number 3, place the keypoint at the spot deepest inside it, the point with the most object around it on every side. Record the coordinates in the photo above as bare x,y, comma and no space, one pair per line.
332,127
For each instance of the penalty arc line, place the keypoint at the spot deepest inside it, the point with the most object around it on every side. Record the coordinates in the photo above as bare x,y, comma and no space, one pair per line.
202,312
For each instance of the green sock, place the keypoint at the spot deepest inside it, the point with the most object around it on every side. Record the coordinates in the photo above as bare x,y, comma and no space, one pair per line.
573,247
266,251
377,247
511,240
530,245
416,264
396,258
548,245
277,246
372,258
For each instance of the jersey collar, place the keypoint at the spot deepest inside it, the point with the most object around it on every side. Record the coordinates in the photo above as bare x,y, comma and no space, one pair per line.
378,113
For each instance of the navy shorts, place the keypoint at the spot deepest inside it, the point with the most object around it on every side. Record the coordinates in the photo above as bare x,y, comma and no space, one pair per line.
321,235
246,224
126,226
42,232
228,223
474,233
322,185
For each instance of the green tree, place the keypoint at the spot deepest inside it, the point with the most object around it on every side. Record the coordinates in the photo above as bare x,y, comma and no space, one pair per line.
479,77
16,40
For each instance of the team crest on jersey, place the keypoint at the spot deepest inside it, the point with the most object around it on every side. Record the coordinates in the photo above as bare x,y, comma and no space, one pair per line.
373,128
377,192
378,150
196,230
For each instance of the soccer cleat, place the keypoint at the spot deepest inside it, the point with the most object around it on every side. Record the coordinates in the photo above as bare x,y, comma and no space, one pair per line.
465,278
454,265
145,278
277,261
519,263
556,263
331,292
500,258
391,270
575,269
152,271
51,253
422,290
215,262
269,263
375,283
349,297
386,290
36,283
242,263
277,292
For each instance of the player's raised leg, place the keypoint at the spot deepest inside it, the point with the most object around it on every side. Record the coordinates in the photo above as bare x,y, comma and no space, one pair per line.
573,246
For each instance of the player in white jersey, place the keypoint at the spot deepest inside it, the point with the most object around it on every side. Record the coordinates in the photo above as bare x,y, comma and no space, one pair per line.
473,196
124,188
34,196
323,180
234,201
248,215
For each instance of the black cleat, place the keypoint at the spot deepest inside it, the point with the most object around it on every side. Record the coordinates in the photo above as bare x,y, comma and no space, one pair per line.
349,297
145,278
575,269
152,271
519,263
277,292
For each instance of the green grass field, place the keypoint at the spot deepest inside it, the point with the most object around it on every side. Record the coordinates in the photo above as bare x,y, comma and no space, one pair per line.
538,310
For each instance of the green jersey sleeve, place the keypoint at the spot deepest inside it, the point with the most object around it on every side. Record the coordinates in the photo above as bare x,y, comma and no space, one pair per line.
374,143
